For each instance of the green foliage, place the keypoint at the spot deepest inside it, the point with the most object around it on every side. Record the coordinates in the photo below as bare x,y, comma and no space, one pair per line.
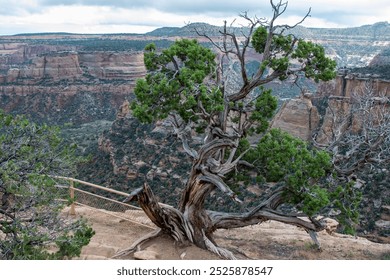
314,199
265,106
35,245
259,39
279,42
30,217
70,245
283,50
282,43
175,82
281,65
282,157
317,65
347,200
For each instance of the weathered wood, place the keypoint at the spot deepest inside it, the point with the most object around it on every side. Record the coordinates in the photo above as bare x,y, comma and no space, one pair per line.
72,210
196,225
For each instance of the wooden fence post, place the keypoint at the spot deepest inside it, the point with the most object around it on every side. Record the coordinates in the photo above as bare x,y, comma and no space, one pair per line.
71,190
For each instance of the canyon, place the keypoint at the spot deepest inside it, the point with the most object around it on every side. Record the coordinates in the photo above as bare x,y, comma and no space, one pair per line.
76,78
58,84
84,83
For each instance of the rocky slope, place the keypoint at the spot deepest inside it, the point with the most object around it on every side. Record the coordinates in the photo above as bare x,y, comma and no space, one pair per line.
131,153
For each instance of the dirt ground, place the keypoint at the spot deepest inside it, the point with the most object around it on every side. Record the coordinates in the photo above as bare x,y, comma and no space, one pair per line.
269,240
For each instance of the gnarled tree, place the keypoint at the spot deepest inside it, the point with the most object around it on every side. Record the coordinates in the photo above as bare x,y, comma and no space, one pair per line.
189,85
359,141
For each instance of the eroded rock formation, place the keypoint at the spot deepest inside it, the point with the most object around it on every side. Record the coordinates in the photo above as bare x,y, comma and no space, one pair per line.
354,104
60,84
298,117
301,118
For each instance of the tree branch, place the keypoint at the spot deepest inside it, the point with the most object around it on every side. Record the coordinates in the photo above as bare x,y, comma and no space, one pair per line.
220,184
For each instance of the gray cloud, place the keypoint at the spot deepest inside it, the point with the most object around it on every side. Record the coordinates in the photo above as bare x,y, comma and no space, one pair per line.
16,8
224,8
25,14
172,6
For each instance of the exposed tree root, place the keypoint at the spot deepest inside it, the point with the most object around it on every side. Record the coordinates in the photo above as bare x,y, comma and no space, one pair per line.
197,228
137,244
222,252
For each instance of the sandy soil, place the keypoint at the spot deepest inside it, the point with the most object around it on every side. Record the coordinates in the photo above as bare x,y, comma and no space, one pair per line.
270,240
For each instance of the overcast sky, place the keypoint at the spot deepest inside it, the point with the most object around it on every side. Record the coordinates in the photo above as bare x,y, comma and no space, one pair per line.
137,16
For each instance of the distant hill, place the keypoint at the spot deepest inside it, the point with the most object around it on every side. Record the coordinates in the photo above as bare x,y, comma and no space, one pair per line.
380,30
379,66
350,47
377,31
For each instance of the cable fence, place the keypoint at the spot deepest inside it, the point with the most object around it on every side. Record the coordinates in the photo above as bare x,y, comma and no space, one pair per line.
102,199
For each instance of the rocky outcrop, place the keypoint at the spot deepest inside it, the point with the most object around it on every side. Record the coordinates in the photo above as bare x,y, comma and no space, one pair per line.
301,118
298,117
111,65
15,53
338,106
349,83
25,64
349,88
55,67
335,121
59,84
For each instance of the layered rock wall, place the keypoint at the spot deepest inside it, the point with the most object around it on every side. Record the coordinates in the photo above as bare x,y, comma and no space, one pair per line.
71,66
340,114
60,84
348,84
301,118
105,65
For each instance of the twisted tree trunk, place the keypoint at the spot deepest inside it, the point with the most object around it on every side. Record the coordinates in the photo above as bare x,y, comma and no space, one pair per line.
229,115
193,223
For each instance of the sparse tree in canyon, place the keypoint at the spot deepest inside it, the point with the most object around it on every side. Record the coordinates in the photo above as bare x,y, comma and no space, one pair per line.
363,136
217,120
30,202
359,142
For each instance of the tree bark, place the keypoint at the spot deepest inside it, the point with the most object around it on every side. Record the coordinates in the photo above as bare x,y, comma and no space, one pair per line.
193,223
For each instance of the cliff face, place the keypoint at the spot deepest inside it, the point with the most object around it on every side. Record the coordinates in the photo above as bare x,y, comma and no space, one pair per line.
14,53
337,106
349,88
55,67
349,83
301,118
106,65
298,117
60,84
